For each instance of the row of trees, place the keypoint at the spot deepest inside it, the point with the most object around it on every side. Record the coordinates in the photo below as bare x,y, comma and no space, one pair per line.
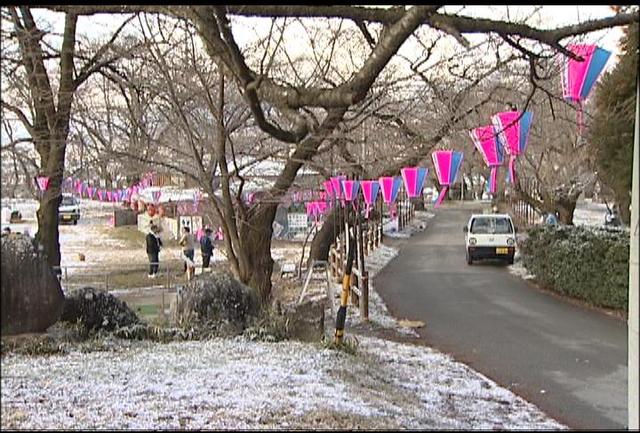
173,87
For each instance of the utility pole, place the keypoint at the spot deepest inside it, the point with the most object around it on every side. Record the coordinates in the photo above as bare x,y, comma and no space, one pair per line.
634,238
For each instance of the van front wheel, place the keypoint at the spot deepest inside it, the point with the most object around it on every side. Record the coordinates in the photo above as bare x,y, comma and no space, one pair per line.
469,259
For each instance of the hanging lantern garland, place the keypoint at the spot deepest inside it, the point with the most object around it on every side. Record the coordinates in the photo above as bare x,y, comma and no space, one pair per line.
370,190
488,144
512,128
447,164
413,178
579,77
390,187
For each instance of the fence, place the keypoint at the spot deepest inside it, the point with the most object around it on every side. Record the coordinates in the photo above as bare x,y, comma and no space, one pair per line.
368,237
130,277
523,213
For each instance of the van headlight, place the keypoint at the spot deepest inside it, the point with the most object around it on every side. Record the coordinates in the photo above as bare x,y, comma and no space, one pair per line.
472,241
511,242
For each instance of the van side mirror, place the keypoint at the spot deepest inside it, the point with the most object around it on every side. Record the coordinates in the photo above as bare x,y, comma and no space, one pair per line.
465,229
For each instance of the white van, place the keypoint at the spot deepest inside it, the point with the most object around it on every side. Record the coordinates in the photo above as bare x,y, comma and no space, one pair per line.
69,210
490,236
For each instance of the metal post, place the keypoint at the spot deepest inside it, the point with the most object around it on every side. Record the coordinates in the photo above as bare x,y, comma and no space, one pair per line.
634,226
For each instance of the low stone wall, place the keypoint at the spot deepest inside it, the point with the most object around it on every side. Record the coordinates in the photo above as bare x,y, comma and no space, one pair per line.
124,217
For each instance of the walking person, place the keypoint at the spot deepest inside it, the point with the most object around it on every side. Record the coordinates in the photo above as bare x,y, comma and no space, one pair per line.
154,243
206,248
188,244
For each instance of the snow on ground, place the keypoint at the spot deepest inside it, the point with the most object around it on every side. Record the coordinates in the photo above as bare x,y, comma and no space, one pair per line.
418,223
237,384
589,213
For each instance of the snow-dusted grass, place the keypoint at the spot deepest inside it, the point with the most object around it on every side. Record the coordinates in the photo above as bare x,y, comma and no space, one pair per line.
237,384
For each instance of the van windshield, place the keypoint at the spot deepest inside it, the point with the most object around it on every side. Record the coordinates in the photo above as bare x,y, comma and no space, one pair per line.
491,226
68,201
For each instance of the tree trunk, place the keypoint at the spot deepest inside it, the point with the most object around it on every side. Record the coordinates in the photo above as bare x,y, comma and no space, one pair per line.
565,209
48,235
256,236
324,238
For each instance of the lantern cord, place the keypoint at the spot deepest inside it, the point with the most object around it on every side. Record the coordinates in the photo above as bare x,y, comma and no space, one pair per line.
512,169
494,179
442,195
580,119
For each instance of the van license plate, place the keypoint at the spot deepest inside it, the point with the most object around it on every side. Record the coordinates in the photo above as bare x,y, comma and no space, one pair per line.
502,250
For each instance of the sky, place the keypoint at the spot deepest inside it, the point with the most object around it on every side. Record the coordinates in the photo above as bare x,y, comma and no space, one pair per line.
247,28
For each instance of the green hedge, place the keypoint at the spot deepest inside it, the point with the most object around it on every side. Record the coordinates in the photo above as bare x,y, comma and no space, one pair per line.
582,262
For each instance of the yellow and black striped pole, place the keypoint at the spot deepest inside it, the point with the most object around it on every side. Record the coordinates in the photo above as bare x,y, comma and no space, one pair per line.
346,285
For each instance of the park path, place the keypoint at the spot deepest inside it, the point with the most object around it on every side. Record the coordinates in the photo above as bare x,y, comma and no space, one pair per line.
568,360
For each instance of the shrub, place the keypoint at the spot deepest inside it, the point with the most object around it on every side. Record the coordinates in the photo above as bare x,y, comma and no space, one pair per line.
586,263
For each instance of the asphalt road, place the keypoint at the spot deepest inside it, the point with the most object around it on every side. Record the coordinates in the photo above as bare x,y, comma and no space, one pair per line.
568,360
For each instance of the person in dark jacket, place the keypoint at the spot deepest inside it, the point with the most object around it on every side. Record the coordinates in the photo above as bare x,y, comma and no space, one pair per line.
154,243
206,248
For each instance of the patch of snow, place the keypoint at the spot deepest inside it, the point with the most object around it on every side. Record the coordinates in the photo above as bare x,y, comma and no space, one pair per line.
238,384
588,213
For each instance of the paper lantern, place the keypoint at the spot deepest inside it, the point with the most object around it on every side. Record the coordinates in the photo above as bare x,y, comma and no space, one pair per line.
413,178
109,194
579,77
390,187
447,164
488,144
328,189
513,128
43,182
100,194
370,190
350,189
336,185
90,191
156,196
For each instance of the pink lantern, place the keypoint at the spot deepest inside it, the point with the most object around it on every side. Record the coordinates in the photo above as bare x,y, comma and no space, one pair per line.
336,185
370,190
109,193
350,189
512,128
488,144
156,195
390,187
312,209
328,187
413,178
447,163
90,191
43,182
580,76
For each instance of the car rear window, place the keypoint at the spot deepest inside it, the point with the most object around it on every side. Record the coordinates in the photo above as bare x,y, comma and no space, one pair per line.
491,226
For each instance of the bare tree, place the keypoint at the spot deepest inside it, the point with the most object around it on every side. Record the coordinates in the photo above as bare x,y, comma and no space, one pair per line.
307,115
48,98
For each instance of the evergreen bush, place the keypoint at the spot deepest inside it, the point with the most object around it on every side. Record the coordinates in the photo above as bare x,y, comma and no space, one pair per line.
591,264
